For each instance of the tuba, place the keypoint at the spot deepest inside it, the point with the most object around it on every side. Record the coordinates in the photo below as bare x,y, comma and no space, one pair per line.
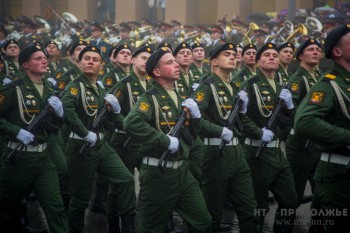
69,17
40,20
287,27
252,27
314,25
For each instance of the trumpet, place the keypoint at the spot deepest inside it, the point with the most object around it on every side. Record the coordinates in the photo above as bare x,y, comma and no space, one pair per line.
230,27
189,35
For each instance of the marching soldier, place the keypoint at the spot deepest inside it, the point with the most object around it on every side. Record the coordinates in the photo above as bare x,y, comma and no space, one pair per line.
225,175
302,155
248,69
11,66
73,72
238,58
323,117
54,55
198,55
285,55
122,56
82,101
270,169
150,121
19,101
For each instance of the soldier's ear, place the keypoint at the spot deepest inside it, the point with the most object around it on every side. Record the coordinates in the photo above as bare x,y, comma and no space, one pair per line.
156,72
337,51
25,65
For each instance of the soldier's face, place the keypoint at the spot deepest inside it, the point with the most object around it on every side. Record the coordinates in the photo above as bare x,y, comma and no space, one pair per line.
36,64
285,56
124,57
96,33
226,60
167,68
140,62
249,57
239,54
198,54
310,55
52,50
269,60
77,51
90,63
184,57
12,50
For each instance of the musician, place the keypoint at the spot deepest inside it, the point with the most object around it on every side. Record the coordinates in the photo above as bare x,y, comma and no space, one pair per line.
98,41
270,171
216,36
124,34
29,29
259,37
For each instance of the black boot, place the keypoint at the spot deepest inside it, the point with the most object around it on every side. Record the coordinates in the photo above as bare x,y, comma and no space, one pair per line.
99,203
128,223
23,226
113,225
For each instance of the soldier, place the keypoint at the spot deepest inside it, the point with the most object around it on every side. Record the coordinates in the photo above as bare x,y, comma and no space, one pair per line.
125,38
150,122
302,154
73,72
270,169
54,55
216,35
226,174
122,56
166,35
11,66
323,117
238,58
82,101
285,55
20,100
248,68
29,31
260,37
197,67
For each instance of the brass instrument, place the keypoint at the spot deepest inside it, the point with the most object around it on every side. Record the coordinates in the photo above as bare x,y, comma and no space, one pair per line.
287,27
68,16
187,36
230,27
252,27
313,24
40,20
301,30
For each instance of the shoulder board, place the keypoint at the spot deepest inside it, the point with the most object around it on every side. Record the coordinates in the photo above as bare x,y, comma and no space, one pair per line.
15,83
209,80
152,91
127,79
330,76
253,80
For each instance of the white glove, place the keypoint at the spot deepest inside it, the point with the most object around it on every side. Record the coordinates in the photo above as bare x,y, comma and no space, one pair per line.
113,102
286,96
243,96
52,80
226,135
192,106
72,31
267,135
25,137
6,81
91,138
174,144
194,86
56,105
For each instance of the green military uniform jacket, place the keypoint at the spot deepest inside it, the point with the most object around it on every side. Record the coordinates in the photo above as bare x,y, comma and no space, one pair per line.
262,102
282,77
182,87
196,73
113,77
68,76
104,46
129,41
320,115
81,104
215,103
27,40
152,117
11,68
243,74
19,103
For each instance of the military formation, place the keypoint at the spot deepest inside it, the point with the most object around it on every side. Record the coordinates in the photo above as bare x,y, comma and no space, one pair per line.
211,117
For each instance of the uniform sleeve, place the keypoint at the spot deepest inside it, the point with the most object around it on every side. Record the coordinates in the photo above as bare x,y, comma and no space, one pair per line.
70,102
310,121
202,97
138,124
7,99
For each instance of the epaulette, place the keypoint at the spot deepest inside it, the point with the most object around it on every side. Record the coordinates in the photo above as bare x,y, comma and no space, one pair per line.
126,79
15,83
330,76
253,80
209,80
152,91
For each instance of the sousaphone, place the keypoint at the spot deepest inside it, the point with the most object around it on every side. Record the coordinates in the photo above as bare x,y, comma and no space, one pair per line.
69,17
313,24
